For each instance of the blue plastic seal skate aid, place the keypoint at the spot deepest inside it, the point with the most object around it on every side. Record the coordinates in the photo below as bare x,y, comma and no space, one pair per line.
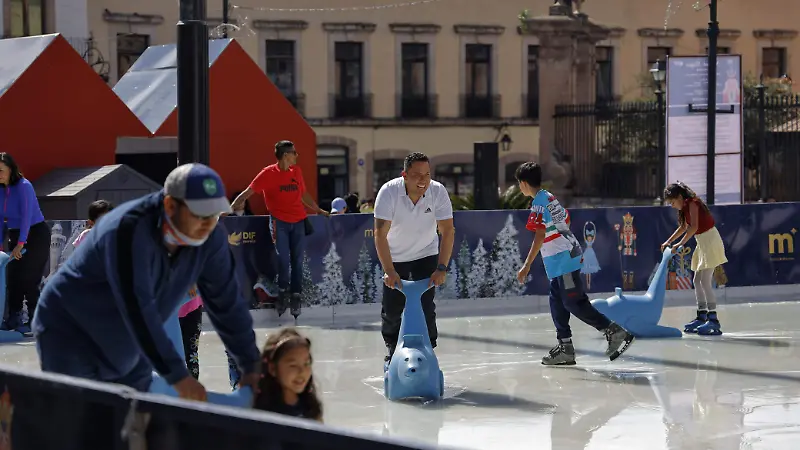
639,314
242,398
414,369
11,335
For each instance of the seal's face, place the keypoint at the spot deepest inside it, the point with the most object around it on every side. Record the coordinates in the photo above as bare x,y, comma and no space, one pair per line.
413,365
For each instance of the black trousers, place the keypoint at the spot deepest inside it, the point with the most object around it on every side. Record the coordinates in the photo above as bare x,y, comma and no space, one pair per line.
394,301
191,327
25,275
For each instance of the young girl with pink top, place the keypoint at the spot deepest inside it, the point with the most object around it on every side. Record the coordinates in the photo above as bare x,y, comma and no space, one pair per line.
191,319
97,210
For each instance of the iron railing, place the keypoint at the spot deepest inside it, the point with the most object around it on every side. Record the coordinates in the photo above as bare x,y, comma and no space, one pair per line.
615,151
416,106
351,107
480,106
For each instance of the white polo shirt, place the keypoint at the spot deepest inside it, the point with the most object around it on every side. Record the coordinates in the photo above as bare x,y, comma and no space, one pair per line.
412,234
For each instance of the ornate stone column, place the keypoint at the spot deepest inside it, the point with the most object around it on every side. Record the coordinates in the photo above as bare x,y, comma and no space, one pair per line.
566,74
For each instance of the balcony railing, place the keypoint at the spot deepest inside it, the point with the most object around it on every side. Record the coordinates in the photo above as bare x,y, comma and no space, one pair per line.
480,106
417,106
351,107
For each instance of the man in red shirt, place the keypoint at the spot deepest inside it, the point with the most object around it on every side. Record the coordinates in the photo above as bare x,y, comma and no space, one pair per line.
286,197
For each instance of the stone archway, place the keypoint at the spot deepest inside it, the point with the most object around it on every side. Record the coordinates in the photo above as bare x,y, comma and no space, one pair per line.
352,155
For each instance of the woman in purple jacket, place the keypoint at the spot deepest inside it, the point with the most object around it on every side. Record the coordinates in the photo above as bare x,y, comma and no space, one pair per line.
26,229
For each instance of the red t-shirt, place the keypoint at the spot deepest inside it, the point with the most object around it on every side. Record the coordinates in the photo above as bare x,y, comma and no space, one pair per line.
283,191
704,222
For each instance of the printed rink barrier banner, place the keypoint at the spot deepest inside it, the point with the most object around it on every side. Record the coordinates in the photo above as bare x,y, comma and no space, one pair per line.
620,248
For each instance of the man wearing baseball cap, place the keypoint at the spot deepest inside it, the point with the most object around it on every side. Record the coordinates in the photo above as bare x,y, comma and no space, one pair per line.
101,316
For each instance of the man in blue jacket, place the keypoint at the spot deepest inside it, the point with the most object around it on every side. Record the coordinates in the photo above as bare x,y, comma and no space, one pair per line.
101,316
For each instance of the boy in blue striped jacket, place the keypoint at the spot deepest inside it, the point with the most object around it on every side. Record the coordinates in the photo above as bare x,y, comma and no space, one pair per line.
563,258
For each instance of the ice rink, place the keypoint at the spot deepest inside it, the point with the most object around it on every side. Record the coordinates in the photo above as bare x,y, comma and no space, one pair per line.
737,391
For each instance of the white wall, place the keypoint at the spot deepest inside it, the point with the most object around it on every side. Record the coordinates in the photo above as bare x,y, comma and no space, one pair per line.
72,19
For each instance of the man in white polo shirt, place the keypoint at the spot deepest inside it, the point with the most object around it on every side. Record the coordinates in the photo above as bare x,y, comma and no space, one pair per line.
408,210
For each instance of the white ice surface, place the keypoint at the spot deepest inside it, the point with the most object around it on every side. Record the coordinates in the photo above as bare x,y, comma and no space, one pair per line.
737,391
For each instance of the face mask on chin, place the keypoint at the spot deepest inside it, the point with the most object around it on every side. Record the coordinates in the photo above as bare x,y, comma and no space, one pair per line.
172,236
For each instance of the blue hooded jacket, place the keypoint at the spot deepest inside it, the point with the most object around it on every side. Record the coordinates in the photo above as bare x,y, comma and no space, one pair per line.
121,285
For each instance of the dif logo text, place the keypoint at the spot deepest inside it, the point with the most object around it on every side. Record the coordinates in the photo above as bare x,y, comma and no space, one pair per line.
242,237
781,246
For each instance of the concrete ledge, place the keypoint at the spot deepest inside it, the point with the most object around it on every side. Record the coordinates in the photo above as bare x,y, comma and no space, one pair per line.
368,315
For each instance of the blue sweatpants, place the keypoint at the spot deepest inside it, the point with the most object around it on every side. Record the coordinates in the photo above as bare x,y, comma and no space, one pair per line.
567,296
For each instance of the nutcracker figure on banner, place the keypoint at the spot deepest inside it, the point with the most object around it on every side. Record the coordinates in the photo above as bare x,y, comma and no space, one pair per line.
627,250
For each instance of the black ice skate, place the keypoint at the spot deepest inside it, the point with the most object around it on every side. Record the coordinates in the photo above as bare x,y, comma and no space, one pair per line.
282,303
562,354
295,305
619,339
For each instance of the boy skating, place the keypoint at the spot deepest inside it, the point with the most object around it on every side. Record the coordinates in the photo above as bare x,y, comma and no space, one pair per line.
562,257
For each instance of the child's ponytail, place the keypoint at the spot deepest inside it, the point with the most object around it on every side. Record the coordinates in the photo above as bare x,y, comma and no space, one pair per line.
680,189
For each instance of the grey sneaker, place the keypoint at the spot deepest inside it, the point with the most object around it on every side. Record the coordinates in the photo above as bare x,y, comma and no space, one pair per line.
619,339
295,305
562,354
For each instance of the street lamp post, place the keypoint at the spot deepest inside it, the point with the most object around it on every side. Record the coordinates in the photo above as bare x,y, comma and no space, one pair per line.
659,74
713,34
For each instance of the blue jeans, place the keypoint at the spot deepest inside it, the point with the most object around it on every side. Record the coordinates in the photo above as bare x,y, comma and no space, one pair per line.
289,241
568,297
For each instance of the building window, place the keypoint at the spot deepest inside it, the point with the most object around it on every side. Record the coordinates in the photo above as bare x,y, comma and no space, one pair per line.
478,102
26,18
532,97
281,66
349,95
415,94
457,178
721,50
773,62
384,170
129,48
605,74
332,174
657,54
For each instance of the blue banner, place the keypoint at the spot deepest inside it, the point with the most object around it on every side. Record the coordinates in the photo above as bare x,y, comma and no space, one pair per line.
621,248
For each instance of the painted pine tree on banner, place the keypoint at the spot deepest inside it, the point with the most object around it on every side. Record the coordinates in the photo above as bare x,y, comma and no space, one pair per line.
449,290
464,265
478,272
362,278
377,284
310,295
333,289
506,261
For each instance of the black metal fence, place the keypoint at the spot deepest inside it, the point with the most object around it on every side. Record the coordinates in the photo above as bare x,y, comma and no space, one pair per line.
45,411
617,151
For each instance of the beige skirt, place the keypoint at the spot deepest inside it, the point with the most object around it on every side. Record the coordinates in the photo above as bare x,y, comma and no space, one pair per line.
710,251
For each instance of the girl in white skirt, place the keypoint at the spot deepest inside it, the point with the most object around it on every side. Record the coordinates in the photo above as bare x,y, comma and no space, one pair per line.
695,220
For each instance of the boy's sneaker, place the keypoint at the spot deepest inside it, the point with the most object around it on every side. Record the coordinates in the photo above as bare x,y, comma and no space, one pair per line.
619,339
295,305
562,354
691,327
282,303
711,327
